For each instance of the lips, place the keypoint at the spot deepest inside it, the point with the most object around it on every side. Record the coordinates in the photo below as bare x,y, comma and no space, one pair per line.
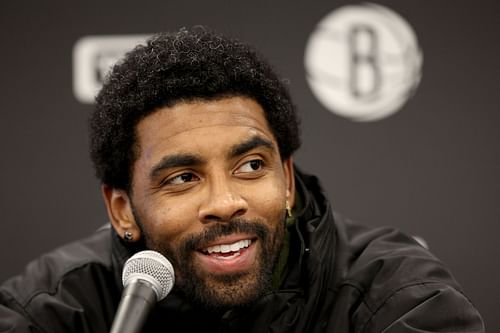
228,255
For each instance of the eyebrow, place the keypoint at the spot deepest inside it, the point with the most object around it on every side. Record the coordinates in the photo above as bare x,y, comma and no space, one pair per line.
254,142
175,161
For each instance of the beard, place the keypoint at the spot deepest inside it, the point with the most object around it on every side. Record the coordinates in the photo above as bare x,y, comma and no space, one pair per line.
222,291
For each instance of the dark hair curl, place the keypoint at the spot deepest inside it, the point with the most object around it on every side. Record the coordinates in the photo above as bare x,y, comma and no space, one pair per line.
187,65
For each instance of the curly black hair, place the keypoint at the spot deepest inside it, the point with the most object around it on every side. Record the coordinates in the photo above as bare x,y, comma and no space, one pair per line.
191,64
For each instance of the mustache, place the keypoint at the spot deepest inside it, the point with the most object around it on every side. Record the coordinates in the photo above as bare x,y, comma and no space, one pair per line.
236,225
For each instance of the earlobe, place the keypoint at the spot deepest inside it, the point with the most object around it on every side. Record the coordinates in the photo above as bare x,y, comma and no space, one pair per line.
120,213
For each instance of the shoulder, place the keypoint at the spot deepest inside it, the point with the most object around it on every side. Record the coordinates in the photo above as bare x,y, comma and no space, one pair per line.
44,274
69,280
386,254
397,281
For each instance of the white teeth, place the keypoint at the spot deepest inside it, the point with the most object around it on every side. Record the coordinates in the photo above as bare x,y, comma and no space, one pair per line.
226,248
215,248
234,247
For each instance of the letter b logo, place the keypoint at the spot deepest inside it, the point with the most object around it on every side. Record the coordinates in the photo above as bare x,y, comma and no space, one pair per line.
363,62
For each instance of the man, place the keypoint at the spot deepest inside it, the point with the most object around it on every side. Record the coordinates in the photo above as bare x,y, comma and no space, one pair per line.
192,139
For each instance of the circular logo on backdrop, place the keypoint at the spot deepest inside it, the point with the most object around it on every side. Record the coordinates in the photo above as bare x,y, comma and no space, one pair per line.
363,62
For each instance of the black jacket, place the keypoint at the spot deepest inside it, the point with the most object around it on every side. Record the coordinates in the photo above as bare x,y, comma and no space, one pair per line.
342,277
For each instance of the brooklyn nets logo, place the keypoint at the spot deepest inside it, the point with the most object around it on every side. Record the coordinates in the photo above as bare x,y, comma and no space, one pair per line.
363,62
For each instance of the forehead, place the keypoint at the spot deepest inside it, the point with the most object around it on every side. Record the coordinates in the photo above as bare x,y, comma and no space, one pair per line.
186,122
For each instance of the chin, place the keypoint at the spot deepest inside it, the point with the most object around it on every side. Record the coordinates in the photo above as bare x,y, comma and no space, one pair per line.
220,292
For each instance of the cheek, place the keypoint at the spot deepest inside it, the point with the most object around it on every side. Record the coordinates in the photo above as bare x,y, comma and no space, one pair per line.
269,200
170,220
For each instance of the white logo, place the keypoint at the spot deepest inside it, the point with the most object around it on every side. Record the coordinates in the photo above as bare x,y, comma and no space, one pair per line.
363,62
93,57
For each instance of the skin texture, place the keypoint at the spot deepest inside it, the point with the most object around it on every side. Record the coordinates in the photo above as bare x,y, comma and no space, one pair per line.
208,173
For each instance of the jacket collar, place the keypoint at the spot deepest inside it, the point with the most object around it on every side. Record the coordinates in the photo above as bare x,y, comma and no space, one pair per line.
314,243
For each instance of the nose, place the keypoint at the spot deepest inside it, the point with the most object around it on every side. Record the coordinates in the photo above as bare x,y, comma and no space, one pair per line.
223,201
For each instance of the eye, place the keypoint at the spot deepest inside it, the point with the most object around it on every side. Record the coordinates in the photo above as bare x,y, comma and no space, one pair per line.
181,179
250,166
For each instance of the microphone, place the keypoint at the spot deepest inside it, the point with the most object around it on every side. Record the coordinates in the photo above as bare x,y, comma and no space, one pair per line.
147,277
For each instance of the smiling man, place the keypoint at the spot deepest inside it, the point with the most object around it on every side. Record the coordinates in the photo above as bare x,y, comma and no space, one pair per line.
192,139
209,191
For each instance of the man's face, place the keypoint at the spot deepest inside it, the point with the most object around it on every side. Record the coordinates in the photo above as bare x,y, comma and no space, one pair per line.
209,191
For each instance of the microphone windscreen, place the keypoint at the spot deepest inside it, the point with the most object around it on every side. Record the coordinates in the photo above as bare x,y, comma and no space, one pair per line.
152,267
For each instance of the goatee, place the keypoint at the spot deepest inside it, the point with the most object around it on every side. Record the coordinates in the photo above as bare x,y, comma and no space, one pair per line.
222,291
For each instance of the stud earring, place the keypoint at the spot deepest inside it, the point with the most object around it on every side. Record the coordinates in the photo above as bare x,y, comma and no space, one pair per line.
127,236
288,209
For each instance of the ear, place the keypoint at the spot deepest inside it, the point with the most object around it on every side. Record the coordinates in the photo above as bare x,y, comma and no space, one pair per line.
289,180
120,213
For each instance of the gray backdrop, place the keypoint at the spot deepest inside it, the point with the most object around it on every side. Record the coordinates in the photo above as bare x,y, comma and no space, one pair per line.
430,169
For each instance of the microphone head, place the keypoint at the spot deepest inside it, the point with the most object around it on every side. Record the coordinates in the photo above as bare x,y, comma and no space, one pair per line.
152,267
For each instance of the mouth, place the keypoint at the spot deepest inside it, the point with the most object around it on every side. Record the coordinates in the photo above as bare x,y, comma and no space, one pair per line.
228,255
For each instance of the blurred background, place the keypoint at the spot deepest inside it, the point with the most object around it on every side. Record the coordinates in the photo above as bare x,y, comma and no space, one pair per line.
400,109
